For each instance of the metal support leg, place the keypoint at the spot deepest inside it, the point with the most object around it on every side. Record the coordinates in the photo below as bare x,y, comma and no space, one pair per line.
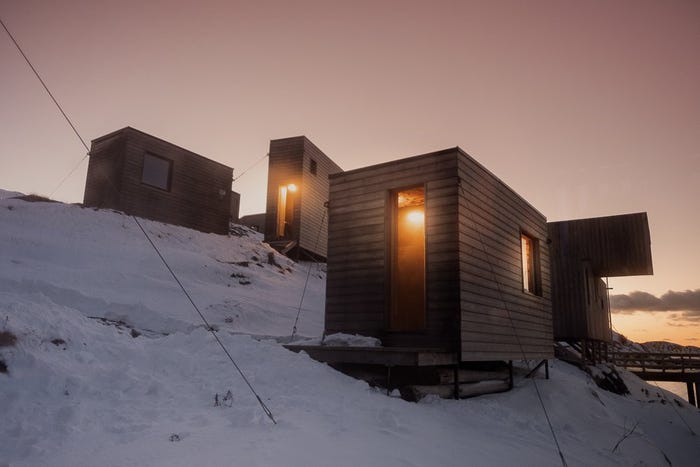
510,375
546,369
388,380
691,393
456,380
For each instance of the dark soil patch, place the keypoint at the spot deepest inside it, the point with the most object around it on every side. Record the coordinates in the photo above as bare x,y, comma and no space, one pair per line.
7,339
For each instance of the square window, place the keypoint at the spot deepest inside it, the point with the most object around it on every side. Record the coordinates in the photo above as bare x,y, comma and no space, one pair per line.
156,171
313,168
531,264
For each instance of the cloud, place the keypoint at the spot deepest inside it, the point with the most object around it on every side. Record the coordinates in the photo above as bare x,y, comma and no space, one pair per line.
687,301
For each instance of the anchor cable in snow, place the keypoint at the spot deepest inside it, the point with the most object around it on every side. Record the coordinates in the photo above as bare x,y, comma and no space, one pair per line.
155,248
308,272
661,391
209,327
510,318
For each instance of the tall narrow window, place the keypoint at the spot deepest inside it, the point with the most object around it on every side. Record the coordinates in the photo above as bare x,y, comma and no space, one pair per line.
156,171
530,262
313,167
285,210
407,304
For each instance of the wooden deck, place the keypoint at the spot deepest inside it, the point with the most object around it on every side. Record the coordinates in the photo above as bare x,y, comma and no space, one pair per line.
684,368
660,366
385,356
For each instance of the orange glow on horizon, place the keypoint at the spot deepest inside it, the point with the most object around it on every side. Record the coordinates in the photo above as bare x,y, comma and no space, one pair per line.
645,326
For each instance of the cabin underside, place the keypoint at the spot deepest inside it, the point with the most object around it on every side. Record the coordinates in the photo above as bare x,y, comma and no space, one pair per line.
415,372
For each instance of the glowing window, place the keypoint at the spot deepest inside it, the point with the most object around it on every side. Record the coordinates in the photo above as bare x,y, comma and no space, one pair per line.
156,171
530,262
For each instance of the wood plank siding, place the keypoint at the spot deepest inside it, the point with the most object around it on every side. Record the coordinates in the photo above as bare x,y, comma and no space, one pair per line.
197,195
475,303
499,319
298,161
583,251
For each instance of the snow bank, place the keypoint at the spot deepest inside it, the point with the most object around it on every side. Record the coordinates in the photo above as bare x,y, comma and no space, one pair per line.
100,263
4,194
82,391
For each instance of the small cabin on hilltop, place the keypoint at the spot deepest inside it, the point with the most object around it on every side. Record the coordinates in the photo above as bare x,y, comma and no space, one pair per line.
582,252
296,221
145,176
434,251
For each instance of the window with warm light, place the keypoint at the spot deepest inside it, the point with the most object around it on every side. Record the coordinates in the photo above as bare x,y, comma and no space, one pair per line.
530,263
407,310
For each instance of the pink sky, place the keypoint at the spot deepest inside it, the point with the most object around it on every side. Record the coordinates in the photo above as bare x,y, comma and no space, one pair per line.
585,108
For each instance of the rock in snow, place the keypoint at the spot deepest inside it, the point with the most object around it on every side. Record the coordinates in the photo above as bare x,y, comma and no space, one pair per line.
111,366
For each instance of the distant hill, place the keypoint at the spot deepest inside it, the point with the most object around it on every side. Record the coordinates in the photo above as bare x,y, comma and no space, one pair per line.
669,347
623,344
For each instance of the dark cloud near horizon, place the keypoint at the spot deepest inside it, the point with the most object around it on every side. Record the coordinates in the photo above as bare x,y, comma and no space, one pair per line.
685,304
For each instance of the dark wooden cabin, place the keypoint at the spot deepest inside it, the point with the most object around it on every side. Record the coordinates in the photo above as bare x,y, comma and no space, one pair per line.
434,251
582,252
145,176
296,220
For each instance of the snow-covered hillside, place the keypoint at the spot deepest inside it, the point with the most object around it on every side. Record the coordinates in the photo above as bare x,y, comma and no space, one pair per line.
112,367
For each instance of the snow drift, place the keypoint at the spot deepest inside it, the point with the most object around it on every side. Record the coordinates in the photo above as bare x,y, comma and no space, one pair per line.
112,367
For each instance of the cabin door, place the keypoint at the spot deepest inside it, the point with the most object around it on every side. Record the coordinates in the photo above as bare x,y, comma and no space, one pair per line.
407,307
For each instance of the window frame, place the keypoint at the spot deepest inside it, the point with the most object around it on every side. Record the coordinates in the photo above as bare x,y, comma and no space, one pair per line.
313,167
533,286
169,180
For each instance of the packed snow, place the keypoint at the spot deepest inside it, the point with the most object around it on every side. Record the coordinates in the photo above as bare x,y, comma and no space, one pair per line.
110,365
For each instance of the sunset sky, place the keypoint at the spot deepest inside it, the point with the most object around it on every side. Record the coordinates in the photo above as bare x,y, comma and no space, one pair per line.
584,108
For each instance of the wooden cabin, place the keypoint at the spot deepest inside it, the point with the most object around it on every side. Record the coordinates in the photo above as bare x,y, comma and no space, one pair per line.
582,252
296,220
435,252
145,176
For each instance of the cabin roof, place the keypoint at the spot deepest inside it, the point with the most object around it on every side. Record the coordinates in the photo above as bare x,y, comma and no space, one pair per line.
306,142
128,129
447,151
617,245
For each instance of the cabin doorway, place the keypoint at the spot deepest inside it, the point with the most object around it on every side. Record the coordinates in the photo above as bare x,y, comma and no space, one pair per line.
285,210
407,304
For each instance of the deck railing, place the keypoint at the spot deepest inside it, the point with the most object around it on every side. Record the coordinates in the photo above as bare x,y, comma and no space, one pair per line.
657,362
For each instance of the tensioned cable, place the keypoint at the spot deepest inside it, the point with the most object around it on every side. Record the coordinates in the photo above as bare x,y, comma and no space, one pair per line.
250,167
209,328
308,273
46,88
510,318
674,409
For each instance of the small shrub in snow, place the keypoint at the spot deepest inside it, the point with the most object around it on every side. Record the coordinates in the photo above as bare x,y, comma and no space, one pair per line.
3,366
226,401
174,438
